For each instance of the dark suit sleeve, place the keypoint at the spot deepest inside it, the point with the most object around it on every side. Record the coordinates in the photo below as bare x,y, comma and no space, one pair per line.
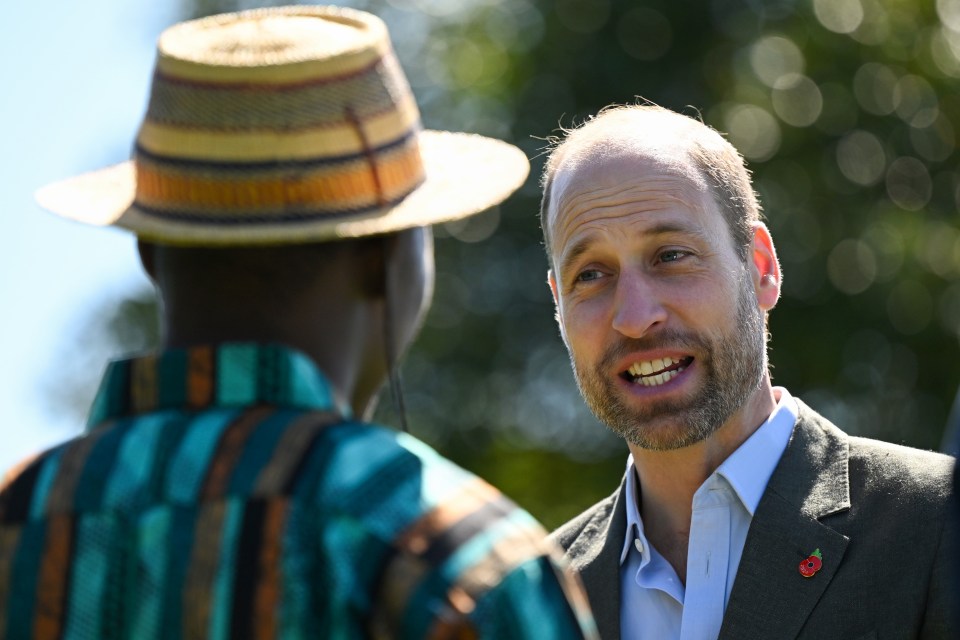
942,616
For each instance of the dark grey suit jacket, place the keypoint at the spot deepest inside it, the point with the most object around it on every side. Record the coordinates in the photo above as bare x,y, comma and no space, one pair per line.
879,513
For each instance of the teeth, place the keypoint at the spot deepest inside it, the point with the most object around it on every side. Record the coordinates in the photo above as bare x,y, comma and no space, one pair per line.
647,368
660,378
643,372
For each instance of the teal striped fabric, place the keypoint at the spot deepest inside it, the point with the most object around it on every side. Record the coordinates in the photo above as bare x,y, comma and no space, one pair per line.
221,493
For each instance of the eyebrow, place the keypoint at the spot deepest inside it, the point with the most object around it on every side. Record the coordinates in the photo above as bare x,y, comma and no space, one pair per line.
659,229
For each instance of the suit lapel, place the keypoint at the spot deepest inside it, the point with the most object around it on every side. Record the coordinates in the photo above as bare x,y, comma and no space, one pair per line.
770,598
595,554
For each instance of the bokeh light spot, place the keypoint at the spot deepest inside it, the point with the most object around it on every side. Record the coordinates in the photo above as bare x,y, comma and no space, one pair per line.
468,64
873,85
949,12
861,158
517,25
797,100
839,16
852,266
874,29
937,248
753,131
915,101
774,56
945,51
909,184
475,228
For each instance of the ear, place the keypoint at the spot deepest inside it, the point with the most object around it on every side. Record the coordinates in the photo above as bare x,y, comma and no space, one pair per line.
374,254
148,257
552,281
766,268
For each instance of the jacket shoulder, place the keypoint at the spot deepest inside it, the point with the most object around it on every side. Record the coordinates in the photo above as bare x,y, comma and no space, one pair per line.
880,470
904,469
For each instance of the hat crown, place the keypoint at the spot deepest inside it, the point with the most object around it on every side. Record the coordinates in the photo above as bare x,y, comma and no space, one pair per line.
268,40
277,115
250,42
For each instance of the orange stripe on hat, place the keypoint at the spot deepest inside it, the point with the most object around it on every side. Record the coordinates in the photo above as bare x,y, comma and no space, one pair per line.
360,182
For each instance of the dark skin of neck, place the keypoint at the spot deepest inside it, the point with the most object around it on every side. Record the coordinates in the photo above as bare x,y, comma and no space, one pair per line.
330,308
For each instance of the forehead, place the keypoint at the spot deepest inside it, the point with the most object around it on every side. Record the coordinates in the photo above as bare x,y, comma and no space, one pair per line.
607,180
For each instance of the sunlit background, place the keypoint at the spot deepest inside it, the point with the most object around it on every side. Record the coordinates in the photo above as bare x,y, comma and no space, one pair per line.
847,111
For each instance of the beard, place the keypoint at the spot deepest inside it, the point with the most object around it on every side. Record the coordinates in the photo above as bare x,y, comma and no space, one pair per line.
733,364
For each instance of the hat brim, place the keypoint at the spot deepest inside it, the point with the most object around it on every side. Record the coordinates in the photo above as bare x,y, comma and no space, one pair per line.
465,174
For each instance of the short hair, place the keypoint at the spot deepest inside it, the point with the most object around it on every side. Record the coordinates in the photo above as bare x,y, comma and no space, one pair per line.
720,163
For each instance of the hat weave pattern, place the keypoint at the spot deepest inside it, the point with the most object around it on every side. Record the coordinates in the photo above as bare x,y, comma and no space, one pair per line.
208,151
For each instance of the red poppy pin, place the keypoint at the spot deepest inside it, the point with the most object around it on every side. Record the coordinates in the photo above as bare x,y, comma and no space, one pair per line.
811,565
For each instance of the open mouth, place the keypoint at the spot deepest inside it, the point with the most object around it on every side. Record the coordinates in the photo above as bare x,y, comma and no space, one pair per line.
652,373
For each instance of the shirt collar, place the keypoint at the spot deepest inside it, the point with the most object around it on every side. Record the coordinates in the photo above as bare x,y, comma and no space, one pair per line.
200,377
747,470
634,523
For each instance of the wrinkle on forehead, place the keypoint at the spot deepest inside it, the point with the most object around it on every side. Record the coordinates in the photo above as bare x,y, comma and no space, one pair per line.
614,179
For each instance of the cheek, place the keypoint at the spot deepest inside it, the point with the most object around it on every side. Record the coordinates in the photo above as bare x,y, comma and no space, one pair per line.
583,322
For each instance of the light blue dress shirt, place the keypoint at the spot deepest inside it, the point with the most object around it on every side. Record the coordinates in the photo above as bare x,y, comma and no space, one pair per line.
653,601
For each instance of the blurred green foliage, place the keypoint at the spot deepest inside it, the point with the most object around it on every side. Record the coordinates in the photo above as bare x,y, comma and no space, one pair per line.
847,111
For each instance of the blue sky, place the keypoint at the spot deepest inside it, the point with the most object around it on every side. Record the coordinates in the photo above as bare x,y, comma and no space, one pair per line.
75,78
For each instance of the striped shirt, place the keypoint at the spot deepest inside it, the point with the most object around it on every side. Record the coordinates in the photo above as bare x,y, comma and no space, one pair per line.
221,493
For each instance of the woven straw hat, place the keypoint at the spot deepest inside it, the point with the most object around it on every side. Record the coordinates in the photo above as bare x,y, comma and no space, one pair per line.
284,125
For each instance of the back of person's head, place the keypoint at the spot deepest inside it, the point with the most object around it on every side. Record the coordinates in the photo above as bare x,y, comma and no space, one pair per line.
355,303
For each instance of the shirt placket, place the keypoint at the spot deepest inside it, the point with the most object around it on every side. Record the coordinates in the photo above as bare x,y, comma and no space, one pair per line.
707,563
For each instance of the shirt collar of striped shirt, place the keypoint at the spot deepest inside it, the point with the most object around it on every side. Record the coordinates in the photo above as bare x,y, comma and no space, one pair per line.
200,377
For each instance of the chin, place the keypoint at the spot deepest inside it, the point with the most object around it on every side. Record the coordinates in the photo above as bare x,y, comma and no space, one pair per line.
667,437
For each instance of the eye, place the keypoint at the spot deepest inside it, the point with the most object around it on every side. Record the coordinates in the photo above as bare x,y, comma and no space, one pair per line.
589,275
672,255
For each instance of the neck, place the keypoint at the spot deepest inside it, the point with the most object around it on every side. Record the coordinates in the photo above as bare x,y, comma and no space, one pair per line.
334,338
668,479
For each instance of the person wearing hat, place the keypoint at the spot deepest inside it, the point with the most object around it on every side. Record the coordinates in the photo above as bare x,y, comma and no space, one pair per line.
229,485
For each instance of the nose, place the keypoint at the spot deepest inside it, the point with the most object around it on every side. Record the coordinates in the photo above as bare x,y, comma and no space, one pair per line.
637,305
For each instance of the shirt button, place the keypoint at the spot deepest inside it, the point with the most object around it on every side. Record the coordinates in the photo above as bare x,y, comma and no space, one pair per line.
638,543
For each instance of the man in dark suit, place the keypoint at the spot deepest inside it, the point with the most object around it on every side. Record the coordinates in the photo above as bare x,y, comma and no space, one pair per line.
743,513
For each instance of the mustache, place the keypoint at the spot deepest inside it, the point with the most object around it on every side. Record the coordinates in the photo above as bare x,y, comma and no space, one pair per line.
670,338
